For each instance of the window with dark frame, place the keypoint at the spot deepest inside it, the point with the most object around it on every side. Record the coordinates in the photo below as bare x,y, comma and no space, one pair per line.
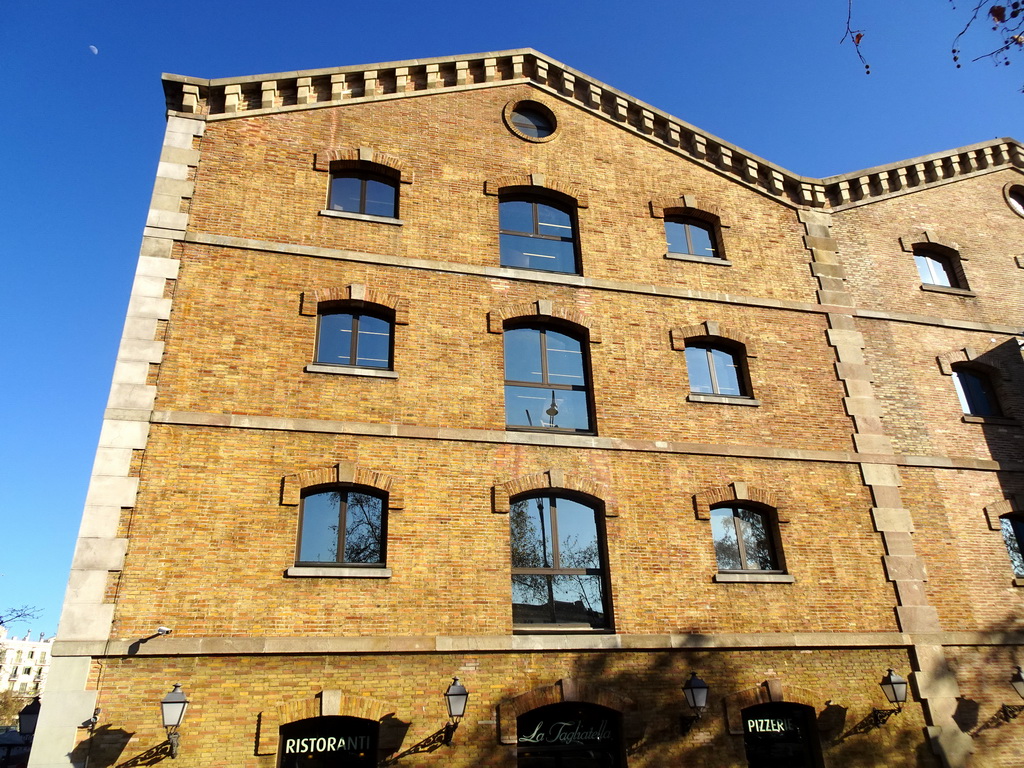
716,369
691,237
342,526
547,381
937,269
364,192
360,339
537,234
558,562
975,391
1013,536
744,540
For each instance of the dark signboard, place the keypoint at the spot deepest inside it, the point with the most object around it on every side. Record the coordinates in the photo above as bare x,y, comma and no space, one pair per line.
781,735
570,735
329,742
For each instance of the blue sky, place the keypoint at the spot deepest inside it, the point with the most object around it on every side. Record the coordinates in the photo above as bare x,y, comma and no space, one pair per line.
81,133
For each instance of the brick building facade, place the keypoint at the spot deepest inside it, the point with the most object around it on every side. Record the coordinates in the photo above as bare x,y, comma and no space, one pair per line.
478,367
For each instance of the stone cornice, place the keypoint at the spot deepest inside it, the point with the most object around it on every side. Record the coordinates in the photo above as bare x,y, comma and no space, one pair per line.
225,98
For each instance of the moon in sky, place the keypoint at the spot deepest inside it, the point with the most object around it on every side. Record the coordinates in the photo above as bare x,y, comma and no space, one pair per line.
94,49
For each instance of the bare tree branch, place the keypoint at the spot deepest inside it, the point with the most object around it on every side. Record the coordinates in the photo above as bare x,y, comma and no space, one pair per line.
21,613
855,35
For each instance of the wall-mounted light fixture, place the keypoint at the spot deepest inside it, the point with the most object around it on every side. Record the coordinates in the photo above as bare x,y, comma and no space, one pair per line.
696,692
895,689
455,699
172,708
1009,711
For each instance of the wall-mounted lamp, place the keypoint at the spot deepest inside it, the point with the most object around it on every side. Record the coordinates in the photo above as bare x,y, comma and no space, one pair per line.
173,707
696,692
29,716
895,689
1009,711
455,699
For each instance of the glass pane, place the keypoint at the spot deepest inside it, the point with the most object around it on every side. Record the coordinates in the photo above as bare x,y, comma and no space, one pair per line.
553,222
699,369
532,123
675,236
565,359
522,355
380,198
577,535
345,193
723,531
573,412
700,239
363,529
538,253
319,536
515,216
529,406
374,342
531,533
334,345
579,600
532,599
932,270
1013,535
727,372
975,394
755,541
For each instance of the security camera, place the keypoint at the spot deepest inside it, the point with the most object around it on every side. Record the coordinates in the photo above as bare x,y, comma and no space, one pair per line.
163,630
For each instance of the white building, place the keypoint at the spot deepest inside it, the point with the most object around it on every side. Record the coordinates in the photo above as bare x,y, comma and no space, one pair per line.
24,663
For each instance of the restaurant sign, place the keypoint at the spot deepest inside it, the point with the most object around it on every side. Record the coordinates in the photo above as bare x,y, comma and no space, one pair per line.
334,741
781,735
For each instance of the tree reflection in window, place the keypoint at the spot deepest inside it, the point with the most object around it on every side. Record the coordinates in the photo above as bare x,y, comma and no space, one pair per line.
743,540
1013,535
558,571
343,526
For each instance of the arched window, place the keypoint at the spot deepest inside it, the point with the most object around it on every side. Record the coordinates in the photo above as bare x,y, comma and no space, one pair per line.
547,380
537,233
342,525
716,368
691,237
744,537
364,191
1013,536
975,390
558,562
939,266
354,337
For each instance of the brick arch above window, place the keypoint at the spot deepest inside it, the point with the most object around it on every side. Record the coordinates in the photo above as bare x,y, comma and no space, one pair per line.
542,308
738,490
553,479
323,704
687,205
346,472
1013,504
337,159
566,689
712,329
970,355
928,239
356,292
536,182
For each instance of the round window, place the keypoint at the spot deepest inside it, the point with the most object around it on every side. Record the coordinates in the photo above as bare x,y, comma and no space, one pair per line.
530,120
1015,198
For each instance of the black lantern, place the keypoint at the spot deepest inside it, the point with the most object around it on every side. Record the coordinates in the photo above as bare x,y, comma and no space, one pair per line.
1017,681
696,692
895,689
456,698
29,716
173,707
1009,711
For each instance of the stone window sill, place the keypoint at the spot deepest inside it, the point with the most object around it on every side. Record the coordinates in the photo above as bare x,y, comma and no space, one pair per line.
968,419
363,217
351,370
947,289
697,397
1018,582
337,572
559,629
698,259
756,578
